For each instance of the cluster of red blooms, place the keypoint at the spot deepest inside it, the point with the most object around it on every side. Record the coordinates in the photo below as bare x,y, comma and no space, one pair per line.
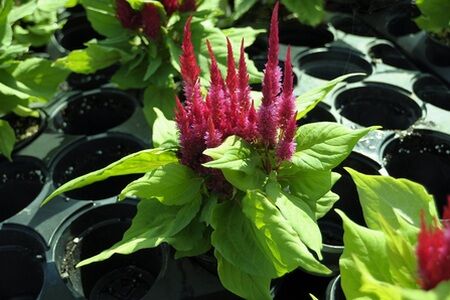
433,252
228,109
148,18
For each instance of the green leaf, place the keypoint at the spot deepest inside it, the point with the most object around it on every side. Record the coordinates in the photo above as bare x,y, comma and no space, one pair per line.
153,64
162,98
309,12
245,285
139,162
5,25
165,132
279,240
324,145
235,239
392,197
89,60
241,7
307,101
7,139
153,224
102,16
298,215
435,15
240,164
20,11
193,240
325,203
367,246
170,184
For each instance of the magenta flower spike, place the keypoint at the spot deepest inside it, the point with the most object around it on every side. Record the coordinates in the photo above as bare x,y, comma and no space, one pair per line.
151,21
190,71
188,5
128,17
170,6
268,111
287,101
286,146
433,253
243,78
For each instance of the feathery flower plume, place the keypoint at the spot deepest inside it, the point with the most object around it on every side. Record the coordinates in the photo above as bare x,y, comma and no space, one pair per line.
268,111
188,5
128,17
151,21
170,6
433,253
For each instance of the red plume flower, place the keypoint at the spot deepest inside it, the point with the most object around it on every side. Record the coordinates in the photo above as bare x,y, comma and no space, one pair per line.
433,253
128,17
151,21
188,5
170,6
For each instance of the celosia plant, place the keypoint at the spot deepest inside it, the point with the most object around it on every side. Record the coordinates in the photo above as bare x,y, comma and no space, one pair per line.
234,177
143,39
405,251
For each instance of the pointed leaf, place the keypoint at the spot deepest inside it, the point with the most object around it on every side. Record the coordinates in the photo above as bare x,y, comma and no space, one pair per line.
7,139
165,132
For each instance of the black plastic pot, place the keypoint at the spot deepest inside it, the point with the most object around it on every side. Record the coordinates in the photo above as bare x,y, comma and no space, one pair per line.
128,277
296,34
94,111
353,25
91,81
334,290
424,157
26,129
389,55
431,90
437,52
299,284
75,33
331,224
91,154
328,64
320,113
402,25
378,104
22,259
21,181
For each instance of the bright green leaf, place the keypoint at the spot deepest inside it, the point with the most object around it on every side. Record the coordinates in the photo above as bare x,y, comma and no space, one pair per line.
309,12
324,145
7,139
171,184
162,98
165,132
139,162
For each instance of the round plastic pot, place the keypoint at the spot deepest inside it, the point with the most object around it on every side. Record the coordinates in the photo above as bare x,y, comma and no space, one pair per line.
21,181
389,55
127,277
26,129
422,156
353,26
94,112
331,224
296,34
431,90
437,52
91,81
334,290
328,64
22,259
401,26
90,154
378,104
320,113
299,284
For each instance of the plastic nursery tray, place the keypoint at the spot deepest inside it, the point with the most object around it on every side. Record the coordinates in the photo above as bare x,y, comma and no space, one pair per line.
85,130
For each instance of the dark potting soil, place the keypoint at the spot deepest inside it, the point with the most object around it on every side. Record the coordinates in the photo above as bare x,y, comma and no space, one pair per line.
21,273
88,156
94,113
296,34
25,128
352,25
378,105
391,56
21,181
91,81
432,91
423,157
330,64
126,277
